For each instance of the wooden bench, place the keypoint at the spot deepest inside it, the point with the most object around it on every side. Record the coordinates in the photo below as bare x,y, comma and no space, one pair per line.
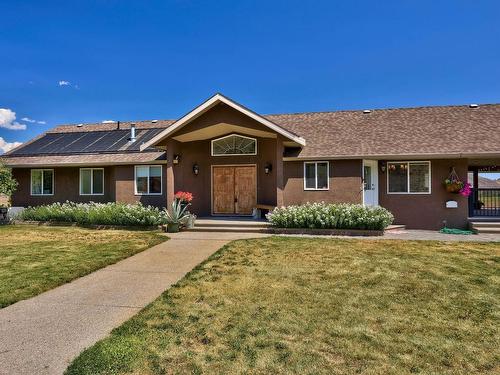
257,214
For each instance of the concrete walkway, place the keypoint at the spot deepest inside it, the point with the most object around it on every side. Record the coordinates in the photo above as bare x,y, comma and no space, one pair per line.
43,334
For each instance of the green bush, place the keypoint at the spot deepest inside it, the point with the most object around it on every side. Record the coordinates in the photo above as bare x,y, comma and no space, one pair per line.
331,216
96,213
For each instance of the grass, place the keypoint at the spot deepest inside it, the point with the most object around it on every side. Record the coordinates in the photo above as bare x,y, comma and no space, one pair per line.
318,306
35,259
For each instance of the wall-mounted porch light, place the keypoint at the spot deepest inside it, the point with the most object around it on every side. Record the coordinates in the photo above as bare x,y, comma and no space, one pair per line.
383,166
268,168
177,159
196,169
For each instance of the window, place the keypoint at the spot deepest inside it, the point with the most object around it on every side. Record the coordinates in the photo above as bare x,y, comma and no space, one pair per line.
410,177
91,181
42,182
148,179
234,145
316,175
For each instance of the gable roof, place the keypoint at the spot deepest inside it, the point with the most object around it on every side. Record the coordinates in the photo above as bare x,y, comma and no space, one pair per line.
212,102
448,131
444,131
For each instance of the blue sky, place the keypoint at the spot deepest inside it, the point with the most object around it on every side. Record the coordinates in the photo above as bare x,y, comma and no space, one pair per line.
131,60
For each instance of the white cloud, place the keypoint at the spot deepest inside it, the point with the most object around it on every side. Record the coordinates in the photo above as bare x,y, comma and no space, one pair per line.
7,120
7,146
64,83
30,120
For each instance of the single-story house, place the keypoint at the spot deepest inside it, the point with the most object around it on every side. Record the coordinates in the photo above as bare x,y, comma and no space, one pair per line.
233,159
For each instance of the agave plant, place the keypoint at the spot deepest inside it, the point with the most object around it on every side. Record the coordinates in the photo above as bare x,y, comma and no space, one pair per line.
178,215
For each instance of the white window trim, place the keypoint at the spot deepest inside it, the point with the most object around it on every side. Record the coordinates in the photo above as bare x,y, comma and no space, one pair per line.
316,175
231,135
149,166
408,177
53,182
91,180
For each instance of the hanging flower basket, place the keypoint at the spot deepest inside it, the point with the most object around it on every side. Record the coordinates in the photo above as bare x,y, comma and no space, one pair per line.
453,183
454,187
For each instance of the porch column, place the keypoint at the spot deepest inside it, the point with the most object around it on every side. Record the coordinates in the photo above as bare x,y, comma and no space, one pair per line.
279,171
169,176
475,179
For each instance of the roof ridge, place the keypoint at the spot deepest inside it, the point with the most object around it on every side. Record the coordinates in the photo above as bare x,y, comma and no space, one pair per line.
380,109
277,114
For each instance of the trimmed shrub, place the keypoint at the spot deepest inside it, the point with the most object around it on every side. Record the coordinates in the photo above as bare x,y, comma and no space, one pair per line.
331,216
96,213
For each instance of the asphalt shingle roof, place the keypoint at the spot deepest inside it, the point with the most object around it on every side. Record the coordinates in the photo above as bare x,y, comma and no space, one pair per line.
442,130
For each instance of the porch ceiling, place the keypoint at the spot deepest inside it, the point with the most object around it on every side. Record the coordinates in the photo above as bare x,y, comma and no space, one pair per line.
219,130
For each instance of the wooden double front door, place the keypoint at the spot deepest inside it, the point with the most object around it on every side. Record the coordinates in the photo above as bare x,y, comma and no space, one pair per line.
234,189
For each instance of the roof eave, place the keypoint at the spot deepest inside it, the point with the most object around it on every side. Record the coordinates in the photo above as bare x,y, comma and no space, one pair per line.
457,155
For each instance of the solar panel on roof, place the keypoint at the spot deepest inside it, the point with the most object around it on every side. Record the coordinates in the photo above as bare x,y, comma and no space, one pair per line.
87,142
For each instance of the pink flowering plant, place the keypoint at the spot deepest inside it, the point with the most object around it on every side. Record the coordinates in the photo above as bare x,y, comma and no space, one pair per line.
184,196
466,190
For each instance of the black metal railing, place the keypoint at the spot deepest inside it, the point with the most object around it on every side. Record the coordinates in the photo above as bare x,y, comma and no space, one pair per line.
484,202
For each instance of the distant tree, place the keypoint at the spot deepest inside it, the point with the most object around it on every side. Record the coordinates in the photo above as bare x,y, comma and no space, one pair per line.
7,183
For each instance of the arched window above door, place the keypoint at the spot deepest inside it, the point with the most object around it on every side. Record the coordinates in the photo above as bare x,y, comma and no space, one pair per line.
234,144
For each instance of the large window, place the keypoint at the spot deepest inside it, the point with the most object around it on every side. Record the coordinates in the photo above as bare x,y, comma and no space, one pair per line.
91,181
409,177
316,175
148,179
234,145
42,182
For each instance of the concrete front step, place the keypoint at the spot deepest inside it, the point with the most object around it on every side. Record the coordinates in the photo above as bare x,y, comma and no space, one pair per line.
231,223
485,224
236,229
487,230
492,227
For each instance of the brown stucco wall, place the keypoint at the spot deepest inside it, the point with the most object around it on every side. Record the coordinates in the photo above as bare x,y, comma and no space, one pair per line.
198,152
428,211
66,187
222,114
345,183
118,186
124,176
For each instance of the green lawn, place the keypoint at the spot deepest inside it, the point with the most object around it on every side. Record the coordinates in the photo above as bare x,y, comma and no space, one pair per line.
35,259
318,306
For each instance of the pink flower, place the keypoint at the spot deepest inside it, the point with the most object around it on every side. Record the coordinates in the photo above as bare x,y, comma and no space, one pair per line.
466,190
184,196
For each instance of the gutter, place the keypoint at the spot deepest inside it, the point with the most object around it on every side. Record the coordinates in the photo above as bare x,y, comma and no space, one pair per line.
465,155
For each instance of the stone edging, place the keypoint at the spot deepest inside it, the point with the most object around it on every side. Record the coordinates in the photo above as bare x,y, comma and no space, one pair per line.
327,232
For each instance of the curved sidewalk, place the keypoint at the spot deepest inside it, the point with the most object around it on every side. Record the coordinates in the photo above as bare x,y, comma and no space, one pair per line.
43,334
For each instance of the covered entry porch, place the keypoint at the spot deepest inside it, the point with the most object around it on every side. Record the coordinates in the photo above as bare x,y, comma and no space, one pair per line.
229,157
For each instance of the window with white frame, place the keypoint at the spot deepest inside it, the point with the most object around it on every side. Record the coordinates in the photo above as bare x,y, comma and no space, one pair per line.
316,175
42,182
409,177
234,144
91,181
148,179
